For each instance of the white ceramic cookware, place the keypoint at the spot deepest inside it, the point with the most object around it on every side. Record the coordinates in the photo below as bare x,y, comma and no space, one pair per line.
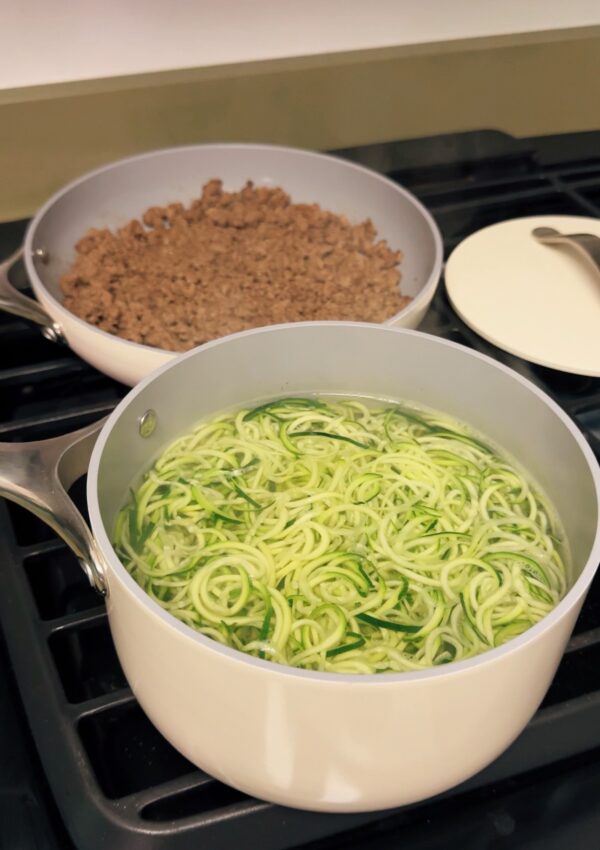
313,740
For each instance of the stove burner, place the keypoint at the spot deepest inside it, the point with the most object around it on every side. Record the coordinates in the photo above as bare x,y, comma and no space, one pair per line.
116,781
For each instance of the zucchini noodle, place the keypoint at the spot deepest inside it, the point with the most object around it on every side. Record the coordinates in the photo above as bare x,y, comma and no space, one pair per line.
333,535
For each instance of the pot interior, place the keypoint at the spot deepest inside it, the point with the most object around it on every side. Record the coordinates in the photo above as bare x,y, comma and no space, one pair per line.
358,360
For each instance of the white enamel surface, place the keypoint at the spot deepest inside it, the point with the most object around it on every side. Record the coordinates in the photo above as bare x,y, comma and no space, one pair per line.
111,196
539,302
324,741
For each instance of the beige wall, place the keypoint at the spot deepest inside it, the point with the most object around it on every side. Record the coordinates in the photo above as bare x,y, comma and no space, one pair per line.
49,136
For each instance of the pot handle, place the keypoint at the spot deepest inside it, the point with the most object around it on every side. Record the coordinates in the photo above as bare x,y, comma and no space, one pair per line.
13,301
37,475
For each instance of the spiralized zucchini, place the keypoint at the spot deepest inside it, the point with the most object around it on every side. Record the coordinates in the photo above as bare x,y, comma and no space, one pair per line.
334,535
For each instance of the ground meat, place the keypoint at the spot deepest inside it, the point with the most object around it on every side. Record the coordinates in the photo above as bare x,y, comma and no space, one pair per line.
229,261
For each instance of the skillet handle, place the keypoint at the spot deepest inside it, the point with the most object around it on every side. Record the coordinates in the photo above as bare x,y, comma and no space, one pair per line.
37,475
13,301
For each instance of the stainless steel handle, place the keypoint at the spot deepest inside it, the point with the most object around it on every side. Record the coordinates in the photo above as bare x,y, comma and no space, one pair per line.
13,301
37,476
587,244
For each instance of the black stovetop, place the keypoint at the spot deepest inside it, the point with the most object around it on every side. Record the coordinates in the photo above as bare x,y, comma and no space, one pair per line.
80,765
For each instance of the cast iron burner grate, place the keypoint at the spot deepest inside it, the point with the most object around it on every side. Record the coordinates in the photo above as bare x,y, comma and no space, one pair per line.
116,781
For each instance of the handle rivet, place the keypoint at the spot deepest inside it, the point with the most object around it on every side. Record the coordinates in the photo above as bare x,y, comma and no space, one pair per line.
147,423
42,255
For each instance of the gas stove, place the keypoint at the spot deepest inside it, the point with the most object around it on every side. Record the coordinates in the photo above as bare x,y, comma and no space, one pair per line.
80,764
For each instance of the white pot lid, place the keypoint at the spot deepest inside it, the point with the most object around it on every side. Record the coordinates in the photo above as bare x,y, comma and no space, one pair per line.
536,301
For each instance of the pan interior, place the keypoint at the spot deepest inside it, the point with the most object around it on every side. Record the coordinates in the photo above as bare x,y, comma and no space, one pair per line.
117,193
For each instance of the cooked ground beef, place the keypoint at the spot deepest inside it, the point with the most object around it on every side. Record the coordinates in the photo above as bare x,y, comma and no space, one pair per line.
230,261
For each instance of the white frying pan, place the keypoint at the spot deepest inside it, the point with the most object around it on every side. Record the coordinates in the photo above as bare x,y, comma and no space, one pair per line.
113,195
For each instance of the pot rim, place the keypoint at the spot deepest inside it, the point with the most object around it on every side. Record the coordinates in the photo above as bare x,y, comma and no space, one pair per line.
116,568
60,313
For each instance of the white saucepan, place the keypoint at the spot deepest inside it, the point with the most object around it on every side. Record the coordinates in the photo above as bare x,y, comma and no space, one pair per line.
113,195
320,741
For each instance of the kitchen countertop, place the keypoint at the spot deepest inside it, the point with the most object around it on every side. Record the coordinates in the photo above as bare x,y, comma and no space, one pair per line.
135,38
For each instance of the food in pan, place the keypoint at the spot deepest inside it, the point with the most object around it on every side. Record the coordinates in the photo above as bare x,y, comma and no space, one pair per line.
230,261
342,535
